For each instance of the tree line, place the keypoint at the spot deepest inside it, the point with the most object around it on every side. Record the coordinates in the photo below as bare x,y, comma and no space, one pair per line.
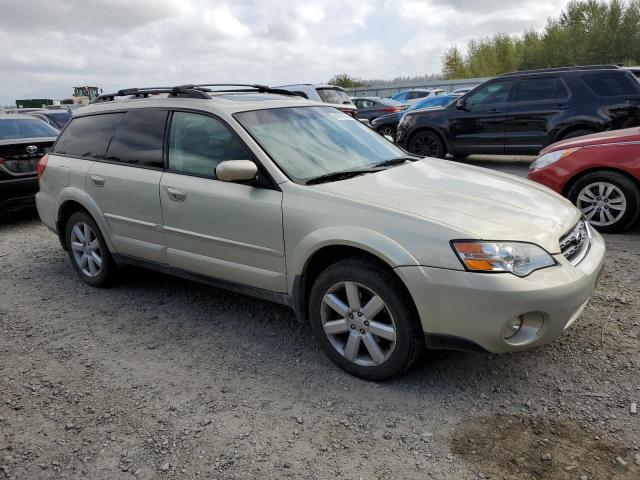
586,32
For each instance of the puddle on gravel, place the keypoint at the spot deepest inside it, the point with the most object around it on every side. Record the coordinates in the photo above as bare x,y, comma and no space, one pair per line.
517,448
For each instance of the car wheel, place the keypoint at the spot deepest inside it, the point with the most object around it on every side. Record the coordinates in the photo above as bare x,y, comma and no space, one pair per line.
88,251
387,130
610,201
577,133
364,320
427,144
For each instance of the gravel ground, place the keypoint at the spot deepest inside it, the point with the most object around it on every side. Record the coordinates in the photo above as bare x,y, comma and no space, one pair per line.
160,377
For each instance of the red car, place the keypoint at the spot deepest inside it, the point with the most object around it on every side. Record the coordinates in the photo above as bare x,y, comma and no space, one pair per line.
599,173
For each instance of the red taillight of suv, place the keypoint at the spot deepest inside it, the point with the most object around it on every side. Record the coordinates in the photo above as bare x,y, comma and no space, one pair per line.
42,164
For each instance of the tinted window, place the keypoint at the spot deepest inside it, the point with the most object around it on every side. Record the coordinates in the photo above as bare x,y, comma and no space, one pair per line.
333,95
59,119
88,136
400,96
609,84
25,128
496,92
535,89
139,139
198,143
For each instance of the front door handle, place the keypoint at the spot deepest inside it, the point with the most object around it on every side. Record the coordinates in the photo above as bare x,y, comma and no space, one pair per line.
97,180
176,195
562,106
495,110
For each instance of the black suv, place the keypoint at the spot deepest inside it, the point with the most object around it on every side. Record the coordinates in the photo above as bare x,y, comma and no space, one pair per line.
523,112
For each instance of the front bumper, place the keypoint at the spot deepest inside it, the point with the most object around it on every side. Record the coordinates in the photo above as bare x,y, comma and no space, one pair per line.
476,307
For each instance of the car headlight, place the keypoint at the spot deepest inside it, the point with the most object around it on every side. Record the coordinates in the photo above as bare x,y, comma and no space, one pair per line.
551,157
492,257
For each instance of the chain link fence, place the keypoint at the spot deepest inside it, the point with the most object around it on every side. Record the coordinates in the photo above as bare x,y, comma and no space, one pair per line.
388,90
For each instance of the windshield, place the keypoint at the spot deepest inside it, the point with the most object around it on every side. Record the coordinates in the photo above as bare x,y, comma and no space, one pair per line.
307,142
333,95
25,128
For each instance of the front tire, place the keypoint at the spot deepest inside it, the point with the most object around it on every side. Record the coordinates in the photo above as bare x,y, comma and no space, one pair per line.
609,200
365,320
427,144
88,251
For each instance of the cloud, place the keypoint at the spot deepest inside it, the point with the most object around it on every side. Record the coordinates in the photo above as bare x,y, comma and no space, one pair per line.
48,46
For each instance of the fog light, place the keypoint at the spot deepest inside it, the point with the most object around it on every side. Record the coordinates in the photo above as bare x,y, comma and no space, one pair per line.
512,328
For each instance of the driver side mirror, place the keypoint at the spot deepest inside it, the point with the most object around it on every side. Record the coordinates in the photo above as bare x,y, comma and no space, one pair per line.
236,171
460,105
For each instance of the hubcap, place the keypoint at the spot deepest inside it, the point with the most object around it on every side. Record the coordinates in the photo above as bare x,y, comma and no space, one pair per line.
86,249
602,203
358,323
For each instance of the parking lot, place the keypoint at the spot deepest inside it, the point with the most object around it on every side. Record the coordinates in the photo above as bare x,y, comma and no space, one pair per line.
160,377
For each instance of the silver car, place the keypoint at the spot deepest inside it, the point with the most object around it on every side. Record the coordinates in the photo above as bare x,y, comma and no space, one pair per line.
380,253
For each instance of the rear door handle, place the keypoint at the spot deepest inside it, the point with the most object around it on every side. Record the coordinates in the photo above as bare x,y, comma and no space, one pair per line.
176,195
97,180
495,110
562,106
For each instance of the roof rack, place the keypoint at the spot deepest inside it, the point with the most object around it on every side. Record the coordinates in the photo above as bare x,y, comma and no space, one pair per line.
563,69
190,91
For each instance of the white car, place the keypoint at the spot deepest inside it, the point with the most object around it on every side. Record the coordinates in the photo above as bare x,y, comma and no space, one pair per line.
379,253
415,95
330,94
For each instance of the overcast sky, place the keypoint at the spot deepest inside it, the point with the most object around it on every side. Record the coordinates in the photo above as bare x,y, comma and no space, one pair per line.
49,46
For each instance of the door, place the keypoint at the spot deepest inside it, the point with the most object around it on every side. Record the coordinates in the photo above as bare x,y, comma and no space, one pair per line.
230,231
537,105
478,125
126,184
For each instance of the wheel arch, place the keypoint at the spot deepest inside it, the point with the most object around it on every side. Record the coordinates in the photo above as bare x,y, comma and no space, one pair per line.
72,200
421,129
560,134
567,187
307,268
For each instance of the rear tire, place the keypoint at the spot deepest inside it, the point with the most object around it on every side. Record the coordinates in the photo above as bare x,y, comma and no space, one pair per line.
88,251
427,144
365,320
609,200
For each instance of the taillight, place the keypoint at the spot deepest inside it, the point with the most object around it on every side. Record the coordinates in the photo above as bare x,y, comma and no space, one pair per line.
392,109
349,111
42,164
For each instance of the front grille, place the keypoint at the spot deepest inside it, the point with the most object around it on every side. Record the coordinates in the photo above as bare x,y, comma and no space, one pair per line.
575,244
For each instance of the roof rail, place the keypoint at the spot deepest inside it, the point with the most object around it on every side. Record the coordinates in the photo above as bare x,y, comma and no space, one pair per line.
190,91
563,69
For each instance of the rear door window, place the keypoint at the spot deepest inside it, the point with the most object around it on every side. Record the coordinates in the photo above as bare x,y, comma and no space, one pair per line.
611,84
88,137
139,139
539,89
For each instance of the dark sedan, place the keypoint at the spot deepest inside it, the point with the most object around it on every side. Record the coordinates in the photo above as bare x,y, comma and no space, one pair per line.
23,141
56,118
370,108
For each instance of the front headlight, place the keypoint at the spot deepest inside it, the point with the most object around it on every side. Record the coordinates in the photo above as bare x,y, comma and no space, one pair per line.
551,157
492,257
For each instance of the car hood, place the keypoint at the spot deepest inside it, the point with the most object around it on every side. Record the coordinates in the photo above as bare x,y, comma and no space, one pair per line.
602,138
478,202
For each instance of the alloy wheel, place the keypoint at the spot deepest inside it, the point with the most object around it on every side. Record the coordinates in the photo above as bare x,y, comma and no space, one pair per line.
358,323
426,146
602,203
86,249
390,131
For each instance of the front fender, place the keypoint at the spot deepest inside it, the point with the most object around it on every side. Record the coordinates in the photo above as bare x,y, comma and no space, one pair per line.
386,249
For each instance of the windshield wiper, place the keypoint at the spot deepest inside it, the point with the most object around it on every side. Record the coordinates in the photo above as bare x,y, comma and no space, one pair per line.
394,161
330,177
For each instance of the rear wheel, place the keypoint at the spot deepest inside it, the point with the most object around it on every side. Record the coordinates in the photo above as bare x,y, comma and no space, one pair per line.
88,251
364,320
427,144
609,200
387,130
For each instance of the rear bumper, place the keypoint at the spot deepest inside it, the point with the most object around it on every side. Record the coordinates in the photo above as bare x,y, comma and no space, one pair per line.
476,307
18,193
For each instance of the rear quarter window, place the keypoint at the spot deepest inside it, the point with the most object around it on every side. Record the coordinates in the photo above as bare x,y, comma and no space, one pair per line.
88,137
611,84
